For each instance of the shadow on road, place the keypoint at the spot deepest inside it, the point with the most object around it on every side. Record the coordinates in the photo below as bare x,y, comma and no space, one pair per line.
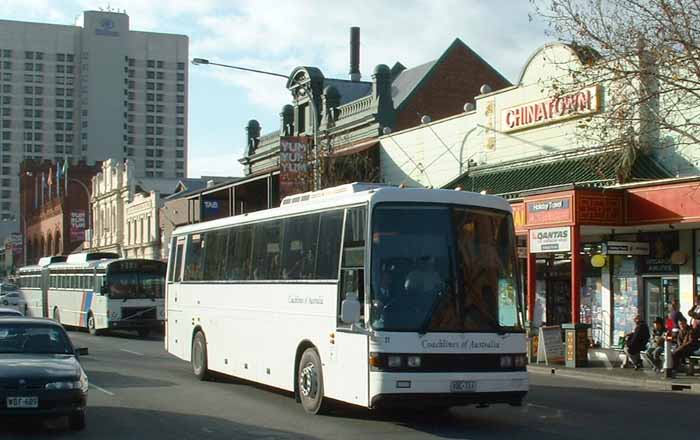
106,423
110,379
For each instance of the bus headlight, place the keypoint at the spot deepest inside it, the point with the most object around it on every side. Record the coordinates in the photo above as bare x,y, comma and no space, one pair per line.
414,361
394,361
519,361
506,361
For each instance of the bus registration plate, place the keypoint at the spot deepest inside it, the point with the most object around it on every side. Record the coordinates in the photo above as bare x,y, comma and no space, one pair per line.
463,386
22,402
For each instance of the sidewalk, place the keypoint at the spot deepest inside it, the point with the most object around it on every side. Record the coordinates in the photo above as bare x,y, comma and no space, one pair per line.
645,378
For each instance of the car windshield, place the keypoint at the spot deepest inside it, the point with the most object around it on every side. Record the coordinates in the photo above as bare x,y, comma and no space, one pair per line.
443,269
36,339
129,285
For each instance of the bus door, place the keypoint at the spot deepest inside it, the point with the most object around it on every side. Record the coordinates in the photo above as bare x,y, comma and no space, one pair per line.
175,328
44,286
352,347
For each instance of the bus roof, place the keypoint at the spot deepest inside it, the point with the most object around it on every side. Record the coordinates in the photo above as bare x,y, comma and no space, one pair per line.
354,194
99,264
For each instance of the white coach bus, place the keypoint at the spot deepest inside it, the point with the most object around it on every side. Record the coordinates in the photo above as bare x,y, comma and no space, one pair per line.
365,294
97,292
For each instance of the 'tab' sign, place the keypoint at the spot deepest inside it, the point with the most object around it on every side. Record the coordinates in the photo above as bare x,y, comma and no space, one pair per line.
550,240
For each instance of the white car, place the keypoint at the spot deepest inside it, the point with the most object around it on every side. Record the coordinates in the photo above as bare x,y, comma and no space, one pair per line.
13,299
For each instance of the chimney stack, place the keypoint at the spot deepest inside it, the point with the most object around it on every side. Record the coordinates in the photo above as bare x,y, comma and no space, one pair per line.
355,54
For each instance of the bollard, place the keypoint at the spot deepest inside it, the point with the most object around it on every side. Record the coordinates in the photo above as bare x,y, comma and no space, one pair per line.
668,361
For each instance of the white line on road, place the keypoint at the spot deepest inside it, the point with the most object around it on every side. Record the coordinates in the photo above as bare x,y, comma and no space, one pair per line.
109,393
132,352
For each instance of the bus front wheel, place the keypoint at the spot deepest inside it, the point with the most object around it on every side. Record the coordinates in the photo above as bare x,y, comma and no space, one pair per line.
310,382
199,356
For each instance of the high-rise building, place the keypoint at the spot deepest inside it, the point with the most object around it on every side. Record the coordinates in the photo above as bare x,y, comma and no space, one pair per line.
92,92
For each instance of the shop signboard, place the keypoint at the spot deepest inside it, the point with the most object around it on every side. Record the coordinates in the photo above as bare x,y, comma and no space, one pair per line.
294,165
77,225
550,240
549,211
551,110
550,348
661,247
626,248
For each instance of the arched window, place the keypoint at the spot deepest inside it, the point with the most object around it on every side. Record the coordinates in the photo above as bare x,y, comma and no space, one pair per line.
49,245
57,244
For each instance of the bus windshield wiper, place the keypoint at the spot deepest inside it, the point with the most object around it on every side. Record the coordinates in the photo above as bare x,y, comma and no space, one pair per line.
429,317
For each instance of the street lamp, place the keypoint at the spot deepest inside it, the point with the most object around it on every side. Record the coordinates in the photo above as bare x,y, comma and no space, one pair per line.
204,61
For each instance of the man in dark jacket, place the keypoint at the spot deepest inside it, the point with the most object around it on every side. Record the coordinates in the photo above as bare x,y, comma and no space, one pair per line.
688,342
635,343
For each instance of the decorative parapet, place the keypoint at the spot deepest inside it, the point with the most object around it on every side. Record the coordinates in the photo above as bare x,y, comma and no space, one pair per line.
354,108
269,139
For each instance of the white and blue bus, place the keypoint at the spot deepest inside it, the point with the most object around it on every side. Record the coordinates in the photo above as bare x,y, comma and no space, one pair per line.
97,292
365,294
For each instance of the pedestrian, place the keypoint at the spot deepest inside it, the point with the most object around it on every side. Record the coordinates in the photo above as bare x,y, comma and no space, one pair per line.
675,313
694,311
656,344
688,342
635,342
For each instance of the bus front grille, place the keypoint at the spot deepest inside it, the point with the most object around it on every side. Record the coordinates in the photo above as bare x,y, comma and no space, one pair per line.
139,312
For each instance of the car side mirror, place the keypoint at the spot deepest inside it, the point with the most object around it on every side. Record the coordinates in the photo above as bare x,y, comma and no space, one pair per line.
350,310
81,351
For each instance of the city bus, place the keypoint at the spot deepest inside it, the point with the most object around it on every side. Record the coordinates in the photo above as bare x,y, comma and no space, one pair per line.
366,294
97,292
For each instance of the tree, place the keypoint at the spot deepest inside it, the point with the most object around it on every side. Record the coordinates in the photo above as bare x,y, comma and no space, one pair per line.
647,54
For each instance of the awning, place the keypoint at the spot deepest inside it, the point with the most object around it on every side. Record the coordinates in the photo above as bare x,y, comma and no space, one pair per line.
357,148
590,169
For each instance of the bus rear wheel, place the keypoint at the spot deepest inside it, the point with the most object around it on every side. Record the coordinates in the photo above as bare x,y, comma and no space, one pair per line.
310,382
199,356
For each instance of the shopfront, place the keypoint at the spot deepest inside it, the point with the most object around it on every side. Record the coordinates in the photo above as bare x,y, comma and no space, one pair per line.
601,257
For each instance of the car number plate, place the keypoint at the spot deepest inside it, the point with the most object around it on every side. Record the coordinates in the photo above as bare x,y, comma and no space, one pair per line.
463,386
22,402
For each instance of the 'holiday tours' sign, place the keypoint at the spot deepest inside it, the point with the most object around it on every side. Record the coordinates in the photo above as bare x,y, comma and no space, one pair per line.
550,240
546,111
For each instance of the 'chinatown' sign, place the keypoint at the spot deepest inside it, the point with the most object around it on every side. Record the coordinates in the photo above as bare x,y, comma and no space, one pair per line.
546,111
550,240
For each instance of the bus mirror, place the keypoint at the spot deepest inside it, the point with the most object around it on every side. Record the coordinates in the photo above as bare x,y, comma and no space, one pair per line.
350,310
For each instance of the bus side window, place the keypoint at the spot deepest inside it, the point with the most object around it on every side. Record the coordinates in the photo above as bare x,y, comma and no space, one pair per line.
177,274
353,258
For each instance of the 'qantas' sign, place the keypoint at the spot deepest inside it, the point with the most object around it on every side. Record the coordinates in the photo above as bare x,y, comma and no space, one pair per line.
550,110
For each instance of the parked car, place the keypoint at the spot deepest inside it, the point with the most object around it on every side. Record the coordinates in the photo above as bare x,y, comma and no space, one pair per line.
6,311
13,299
40,371
7,287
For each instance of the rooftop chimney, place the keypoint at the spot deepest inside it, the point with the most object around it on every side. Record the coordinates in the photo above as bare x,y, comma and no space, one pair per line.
355,54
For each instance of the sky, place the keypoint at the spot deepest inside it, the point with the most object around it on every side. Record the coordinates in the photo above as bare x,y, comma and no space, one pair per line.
278,35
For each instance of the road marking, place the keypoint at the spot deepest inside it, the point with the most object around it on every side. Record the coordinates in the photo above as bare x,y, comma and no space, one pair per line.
109,393
132,352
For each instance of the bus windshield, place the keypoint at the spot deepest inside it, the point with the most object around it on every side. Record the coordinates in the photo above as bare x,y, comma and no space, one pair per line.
130,285
438,268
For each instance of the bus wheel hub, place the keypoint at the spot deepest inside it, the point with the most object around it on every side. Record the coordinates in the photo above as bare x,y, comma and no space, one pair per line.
308,381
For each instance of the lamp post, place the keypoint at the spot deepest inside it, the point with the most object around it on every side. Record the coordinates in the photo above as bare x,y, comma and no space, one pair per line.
306,90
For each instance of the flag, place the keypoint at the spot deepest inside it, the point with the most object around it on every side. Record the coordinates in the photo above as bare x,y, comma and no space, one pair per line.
58,178
65,176
43,185
36,191
50,182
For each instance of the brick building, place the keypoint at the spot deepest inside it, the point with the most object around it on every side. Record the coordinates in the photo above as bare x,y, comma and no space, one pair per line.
54,209
343,118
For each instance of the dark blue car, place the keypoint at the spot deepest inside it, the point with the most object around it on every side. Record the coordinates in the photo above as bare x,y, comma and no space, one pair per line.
40,372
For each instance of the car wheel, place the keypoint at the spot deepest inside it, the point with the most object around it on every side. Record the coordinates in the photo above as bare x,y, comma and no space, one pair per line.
199,356
76,421
310,382
92,325
56,315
